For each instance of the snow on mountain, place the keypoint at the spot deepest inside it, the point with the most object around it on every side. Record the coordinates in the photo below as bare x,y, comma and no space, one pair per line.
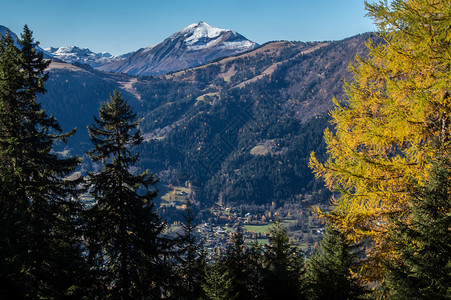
194,45
104,54
202,35
72,54
195,35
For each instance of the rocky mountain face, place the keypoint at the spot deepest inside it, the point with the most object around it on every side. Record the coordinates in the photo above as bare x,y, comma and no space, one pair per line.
194,45
240,129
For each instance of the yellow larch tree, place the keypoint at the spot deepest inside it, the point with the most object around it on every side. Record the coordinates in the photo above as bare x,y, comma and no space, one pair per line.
394,120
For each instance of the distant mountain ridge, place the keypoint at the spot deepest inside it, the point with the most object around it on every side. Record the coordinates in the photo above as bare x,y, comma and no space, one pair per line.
196,44
74,54
192,46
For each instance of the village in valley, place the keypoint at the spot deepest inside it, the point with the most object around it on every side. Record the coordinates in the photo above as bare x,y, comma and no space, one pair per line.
215,225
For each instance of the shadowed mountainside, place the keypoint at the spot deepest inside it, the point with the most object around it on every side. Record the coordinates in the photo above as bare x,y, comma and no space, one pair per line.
241,128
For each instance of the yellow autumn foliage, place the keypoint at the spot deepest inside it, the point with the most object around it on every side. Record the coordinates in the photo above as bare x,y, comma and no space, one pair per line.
393,120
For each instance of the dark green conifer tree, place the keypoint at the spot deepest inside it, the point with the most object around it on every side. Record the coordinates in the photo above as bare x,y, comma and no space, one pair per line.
283,273
236,262
40,251
125,247
218,282
422,270
191,260
12,230
331,269
255,263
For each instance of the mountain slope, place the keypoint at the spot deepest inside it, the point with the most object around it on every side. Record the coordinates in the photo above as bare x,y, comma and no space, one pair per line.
4,30
240,129
244,136
194,45
74,94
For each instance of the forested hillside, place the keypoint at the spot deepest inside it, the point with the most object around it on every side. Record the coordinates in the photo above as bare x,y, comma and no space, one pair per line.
240,129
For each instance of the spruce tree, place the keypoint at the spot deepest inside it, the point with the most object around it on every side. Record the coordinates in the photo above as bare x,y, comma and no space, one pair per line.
125,247
236,263
283,273
332,269
218,282
255,263
40,247
12,228
422,269
191,260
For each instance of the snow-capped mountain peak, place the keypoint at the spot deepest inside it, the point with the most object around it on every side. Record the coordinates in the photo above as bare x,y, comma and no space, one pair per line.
104,54
202,30
194,45
199,36
70,51
72,54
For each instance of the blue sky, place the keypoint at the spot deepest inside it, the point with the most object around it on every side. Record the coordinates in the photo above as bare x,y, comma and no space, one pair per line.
123,26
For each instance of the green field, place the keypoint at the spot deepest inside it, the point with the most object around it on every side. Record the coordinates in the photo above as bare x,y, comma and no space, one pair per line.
257,228
259,150
169,195
264,228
